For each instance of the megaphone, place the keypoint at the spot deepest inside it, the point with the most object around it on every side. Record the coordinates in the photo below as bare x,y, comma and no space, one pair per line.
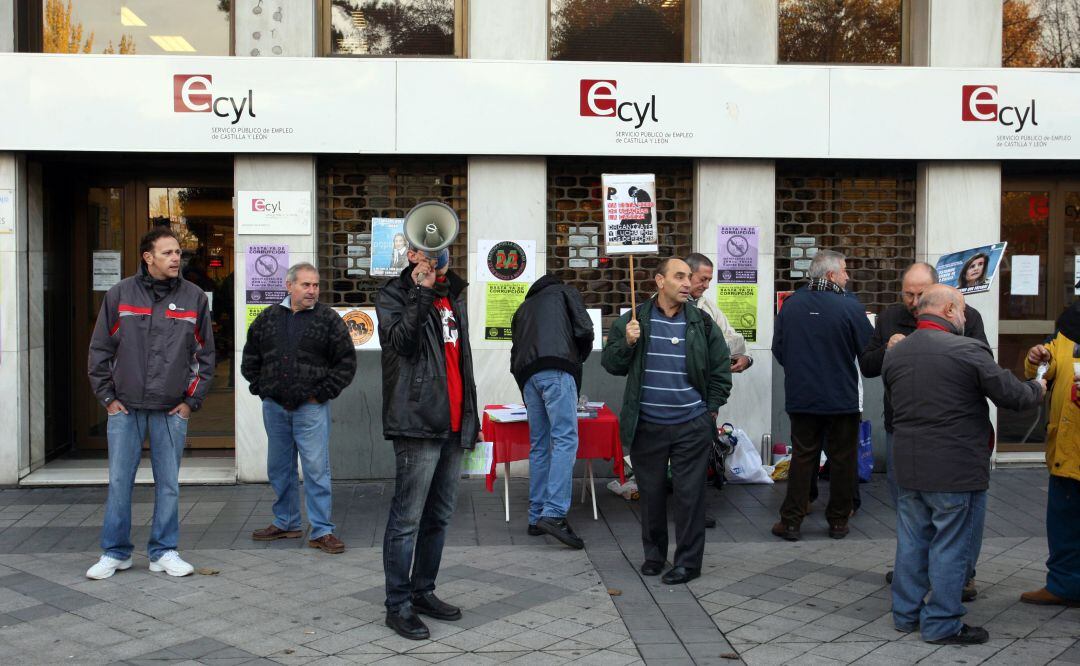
431,226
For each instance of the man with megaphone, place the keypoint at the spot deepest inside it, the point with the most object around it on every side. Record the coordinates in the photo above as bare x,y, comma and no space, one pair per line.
429,412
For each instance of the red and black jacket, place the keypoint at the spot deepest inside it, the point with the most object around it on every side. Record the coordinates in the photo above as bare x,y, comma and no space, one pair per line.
153,345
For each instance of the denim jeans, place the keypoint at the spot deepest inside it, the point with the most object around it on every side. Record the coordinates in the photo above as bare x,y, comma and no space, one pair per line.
978,521
425,493
305,430
551,398
1063,537
933,551
126,433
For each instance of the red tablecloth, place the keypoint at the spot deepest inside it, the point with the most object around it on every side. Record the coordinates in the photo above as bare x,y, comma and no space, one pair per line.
597,438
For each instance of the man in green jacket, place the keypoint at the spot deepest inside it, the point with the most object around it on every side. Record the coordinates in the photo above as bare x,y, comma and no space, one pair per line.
678,374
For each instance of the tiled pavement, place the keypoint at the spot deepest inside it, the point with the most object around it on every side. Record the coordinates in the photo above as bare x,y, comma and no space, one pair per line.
527,600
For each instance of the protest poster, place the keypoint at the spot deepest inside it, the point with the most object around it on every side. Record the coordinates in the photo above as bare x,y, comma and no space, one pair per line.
738,302
389,249
629,215
253,312
363,325
502,299
505,260
971,271
736,255
266,268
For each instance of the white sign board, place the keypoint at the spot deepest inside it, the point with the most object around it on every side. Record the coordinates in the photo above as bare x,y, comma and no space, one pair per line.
596,314
363,325
505,260
1025,275
629,213
274,213
106,270
7,211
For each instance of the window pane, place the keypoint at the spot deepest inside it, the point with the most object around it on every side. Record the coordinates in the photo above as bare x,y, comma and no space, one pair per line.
575,251
1040,33
851,31
392,27
145,27
1025,226
865,211
618,30
354,190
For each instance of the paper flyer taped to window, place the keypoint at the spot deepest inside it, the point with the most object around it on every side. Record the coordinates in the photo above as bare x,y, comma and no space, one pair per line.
629,215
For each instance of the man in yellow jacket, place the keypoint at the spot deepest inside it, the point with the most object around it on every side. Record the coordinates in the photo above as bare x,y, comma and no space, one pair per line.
1062,355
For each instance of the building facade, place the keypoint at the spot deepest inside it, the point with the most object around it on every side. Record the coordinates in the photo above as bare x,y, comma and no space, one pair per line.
365,109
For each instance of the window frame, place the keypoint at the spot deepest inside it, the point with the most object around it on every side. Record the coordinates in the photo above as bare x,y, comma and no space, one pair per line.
325,42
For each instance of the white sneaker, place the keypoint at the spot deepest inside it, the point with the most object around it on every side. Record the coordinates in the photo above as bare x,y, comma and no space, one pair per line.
107,566
171,564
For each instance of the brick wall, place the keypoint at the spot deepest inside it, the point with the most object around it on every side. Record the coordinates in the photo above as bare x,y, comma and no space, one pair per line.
864,210
352,190
575,227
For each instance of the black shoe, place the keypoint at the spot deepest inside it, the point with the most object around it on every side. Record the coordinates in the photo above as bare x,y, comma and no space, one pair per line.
970,591
652,568
560,529
679,575
432,606
838,531
710,522
407,624
534,530
888,578
967,636
787,532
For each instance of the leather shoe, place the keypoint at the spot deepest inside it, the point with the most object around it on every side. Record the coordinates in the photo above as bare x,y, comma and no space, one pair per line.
679,575
787,532
710,522
534,530
1044,597
838,530
888,577
432,606
273,532
560,529
407,624
328,543
652,568
967,635
970,591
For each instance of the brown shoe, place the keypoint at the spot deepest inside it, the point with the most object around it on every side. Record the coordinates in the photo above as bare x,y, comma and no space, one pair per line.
786,532
838,530
274,532
1044,597
328,543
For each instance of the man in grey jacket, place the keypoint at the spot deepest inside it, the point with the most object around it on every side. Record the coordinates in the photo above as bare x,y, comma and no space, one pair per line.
937,381
150,365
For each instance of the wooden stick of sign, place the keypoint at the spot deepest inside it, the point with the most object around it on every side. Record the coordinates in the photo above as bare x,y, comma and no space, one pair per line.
633,292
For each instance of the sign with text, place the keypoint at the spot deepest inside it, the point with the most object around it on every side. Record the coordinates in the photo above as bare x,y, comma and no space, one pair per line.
265,268
505,260
363,325
971,271
273,213
629,213
736,254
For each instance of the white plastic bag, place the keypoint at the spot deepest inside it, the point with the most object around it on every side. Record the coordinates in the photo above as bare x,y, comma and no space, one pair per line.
743,465
628,490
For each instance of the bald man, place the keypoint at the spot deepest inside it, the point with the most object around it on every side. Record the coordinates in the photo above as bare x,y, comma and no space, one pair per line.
937,381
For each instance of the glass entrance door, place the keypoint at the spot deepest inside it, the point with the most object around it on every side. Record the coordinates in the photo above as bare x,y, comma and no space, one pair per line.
1038,217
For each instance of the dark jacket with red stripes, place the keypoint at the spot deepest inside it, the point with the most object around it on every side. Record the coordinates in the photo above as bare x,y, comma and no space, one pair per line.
153,346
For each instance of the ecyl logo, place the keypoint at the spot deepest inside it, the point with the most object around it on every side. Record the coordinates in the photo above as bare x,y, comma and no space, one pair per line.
193,93
980,104
264,206
598,98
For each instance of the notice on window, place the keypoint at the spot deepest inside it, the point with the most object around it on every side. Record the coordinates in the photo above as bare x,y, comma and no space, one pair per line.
502,301
629,218
1025,275
106,268
738,302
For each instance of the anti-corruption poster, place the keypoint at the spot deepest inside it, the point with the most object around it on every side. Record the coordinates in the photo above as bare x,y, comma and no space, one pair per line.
736,255
389,249
629,215
971,271
266,266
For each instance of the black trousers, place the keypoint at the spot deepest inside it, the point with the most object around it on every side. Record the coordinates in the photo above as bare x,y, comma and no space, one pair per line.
686,445
839,435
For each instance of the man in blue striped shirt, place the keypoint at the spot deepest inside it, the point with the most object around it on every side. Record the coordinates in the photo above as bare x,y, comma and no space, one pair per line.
678,373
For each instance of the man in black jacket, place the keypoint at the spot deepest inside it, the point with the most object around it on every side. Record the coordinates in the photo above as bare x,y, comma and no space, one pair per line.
429,411
938,382
553,336
297,358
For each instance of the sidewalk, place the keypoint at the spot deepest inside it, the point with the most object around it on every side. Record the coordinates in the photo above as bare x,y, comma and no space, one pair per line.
526,599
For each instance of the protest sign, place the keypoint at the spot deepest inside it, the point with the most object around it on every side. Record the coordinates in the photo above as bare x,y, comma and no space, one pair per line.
629,215
971,271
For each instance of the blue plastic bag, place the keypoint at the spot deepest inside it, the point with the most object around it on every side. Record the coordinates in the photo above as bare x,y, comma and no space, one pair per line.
866,452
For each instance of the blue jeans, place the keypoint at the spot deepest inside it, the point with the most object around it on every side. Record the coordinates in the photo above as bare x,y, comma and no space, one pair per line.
551,398
1063,537
425,493
978,521
933,551
126,433
890,472
305,430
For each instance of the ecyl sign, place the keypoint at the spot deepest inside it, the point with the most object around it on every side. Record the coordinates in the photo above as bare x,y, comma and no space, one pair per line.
193,93
980,104
274,213
598,98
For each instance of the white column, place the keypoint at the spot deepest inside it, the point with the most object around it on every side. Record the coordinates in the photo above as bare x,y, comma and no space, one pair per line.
502,30
15,352
292,35
954,33
264,172
743,32
743,193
